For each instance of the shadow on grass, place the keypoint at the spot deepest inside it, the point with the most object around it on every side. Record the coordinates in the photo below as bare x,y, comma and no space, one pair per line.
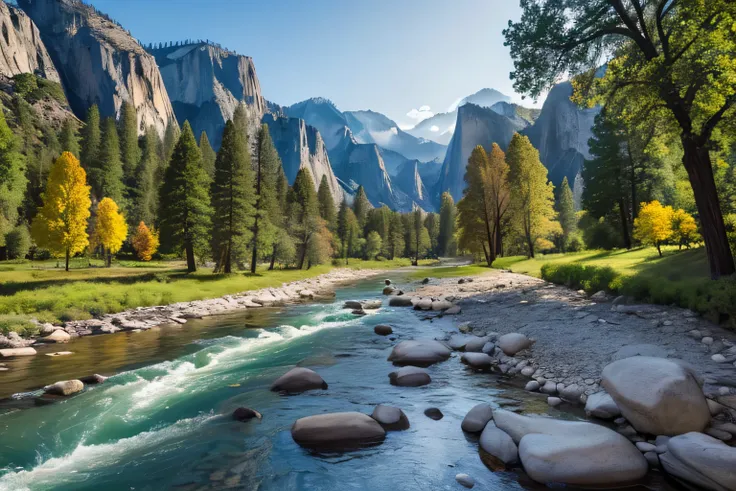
675,265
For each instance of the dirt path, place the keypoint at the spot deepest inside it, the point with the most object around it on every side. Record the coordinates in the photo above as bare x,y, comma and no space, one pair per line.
577,337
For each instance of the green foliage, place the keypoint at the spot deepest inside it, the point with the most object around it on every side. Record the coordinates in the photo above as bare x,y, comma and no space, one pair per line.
326,204
348,231
69,138
396,234
184,200
91,140
129,151
18,242
373,245
269,210
417,240
233,198
446,239
33,88
303,210
13,180
146,207
208,155
111,183
166,150
566,211
361,205
432,224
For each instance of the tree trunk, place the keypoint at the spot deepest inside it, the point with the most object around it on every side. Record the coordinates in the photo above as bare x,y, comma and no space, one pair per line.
696,160
491,256
108,258
659,249
624,224
273,259
228,261
487,255
67,259
530,243
191,263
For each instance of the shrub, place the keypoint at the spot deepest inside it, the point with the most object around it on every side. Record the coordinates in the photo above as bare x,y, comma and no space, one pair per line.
18,242
17,323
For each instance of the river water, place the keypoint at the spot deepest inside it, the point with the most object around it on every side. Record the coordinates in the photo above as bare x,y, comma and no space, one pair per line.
163,420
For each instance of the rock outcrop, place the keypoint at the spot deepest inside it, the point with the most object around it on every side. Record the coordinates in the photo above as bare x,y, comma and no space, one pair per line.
409,180
100,63
21,48
701,460
206,83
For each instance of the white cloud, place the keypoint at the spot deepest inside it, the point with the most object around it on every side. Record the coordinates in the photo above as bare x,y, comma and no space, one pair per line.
420,114
406,126
434,128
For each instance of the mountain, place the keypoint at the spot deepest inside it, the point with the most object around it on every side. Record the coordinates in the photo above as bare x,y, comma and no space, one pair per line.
561,134
21,46
206,83
409,179
323,115
99,62
300,145
440,127
475,126
373,127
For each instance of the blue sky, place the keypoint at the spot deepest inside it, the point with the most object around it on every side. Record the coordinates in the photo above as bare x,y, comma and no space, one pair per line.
391,56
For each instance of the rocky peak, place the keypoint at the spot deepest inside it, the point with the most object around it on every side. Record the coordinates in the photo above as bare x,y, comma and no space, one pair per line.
99,62
21,48
410,181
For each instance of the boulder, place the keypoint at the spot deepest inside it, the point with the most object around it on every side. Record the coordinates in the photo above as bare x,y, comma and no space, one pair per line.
425,281
477,418
441,305
532,386
246,414
297,380
306,294
391,418
571,393
433,413
58,336
514,342
458,341
337,430
701,460
465,480
475,344
499,444
359,312
549,388
454,310
388,290
387,282
419,352
352,304
601,405
478,361
64,388
657,396
409,377
383,330
423,304
93,379
11,352
571,452
372,304
403,301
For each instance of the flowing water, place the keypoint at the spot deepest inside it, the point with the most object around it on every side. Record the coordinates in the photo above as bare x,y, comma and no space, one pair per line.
163,421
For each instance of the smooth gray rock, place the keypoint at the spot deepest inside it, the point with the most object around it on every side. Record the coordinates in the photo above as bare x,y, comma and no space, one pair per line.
433,413
93,379
478,361
514,342
64,388
601,405
549,388
441,305
554,401
400,301
475,344
383,330
391,418
12,352
409,377
419,352
388,290
571,452
499,444
352,304
465,480
701,460
246,414
477,418
423,304
337,430
297,380
571,393
532,386
372,304
454,310
657,396
458,341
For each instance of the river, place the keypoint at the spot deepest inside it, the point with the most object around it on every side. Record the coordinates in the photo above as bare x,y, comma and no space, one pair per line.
163,420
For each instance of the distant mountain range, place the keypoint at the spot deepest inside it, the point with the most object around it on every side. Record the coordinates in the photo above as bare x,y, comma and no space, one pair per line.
98,62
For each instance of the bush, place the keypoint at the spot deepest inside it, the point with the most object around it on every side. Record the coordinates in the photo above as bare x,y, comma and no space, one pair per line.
17,323
576,276
18,242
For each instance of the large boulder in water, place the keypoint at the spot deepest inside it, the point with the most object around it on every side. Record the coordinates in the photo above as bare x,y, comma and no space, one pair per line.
391,418
297,380
419,352
337,430
383,330
657,396
499,444
409,377
400,301
571,452
478,361
352,304
701,460
246,414
372,304
477,418
514,342
65,388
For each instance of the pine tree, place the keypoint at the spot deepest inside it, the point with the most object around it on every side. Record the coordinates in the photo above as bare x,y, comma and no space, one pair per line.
184,200
240,119
12,179
347,230
326,204
476,209
361,205
267,209
129,151
419,242
69,138
303,212
379,221
446,238
110,228
91,141
533,199
61,223
232,200
166,150
208,155
432,224
279,220
147,197
111,167
566,212
396,235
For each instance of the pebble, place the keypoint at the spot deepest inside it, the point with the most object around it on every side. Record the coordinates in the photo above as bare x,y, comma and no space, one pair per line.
707,340
532,386
718,358
465,480
554,401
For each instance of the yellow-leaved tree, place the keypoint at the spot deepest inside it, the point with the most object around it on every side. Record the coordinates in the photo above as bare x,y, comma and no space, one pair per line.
61,223
653,226
684,228
110,228
145,242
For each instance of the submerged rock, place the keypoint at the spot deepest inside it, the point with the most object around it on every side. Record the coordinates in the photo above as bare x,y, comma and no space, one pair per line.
701,460
477,418
246,414
391,418
352,304
433,413
657,396
337,430
64,388
297,380
383,330
419,352
93,379
409,377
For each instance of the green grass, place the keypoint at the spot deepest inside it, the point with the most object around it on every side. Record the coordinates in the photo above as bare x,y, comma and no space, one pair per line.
450,271
41,290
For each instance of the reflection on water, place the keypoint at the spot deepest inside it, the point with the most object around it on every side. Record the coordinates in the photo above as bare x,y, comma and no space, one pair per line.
163,422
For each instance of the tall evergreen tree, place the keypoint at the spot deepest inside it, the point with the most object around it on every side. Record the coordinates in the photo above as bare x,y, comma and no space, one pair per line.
347,230
379,221
129,151
419,242
446,237
396,235
185,202
69,138
111,167
208,155
91,141
278,218
432,224
326,204
267,210
171,138
566,212
361,205
240,119
146,208
303,212
12,180
232,200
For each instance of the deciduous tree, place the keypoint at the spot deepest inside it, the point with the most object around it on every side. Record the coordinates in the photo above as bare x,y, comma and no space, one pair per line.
446,238
110,228
145,242
684,228
653,226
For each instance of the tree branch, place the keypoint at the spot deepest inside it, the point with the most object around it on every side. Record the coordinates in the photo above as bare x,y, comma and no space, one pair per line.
645,45
710,125
663,38
642,21
621,31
